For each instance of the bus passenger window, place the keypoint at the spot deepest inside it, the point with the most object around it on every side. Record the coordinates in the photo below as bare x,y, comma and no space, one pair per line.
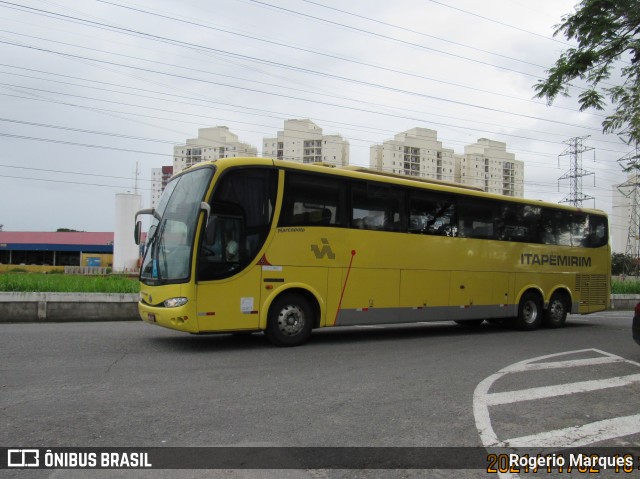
377,205
518,223
579,230
476,218
312,200
432,213
598,235
564,228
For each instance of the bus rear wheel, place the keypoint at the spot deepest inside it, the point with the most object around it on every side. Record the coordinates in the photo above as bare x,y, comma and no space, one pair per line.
290,320
529,312
556,315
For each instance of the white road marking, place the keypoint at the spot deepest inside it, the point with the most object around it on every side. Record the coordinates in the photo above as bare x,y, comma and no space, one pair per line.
572,363
579,435
560,390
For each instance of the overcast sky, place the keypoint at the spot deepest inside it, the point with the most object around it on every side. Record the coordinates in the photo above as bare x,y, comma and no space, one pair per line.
90,89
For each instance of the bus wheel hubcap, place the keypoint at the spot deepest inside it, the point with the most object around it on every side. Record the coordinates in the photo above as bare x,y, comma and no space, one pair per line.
557,310
530,312
291,320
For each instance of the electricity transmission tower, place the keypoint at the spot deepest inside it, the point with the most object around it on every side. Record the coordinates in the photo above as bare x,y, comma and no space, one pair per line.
575,174
630,189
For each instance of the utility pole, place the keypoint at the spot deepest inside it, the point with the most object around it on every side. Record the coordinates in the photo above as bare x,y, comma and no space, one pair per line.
135,183
575,174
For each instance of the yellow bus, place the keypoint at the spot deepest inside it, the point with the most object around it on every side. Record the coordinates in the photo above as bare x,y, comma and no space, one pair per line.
256,244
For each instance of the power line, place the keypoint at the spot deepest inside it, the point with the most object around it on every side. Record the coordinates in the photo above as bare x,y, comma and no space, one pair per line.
67,182
498,22
255,124
378,67
244,35
386,37
71,172
349,80
200,99
341,106
86,145
80,130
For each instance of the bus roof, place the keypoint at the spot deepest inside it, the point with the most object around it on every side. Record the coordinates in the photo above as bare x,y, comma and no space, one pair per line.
360,172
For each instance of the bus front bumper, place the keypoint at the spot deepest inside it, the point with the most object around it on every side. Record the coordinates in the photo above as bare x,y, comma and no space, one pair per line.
180,318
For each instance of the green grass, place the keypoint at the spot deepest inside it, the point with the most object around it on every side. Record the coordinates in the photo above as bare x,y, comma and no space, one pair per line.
63,283
628,286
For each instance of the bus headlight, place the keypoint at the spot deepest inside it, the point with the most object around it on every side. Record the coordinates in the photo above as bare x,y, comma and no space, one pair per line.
175,302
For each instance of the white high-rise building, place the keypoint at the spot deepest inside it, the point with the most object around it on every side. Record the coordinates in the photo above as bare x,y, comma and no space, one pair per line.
159,179
488,165
485,164
303,141
415,152
211,144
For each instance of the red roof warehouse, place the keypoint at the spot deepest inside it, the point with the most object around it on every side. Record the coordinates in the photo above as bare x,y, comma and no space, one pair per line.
56,249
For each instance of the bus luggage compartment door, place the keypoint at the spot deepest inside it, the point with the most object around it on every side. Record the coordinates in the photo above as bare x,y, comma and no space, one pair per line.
480,295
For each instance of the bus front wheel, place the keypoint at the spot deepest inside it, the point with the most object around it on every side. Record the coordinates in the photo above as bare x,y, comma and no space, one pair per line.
529,312
290,320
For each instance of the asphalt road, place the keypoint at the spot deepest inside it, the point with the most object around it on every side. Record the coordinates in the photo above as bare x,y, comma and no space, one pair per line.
425,385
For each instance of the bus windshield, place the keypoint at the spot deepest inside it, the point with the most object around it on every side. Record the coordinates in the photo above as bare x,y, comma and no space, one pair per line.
168,249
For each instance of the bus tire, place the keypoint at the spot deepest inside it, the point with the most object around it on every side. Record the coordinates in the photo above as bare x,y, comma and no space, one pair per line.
529,312
290,320
555,315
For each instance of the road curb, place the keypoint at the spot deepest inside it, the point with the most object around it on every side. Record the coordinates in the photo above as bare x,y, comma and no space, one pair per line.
67,307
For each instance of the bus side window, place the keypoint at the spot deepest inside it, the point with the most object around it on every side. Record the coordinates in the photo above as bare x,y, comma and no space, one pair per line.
432,213
564,228
476,218
597,232
518,223
377,205
579,230
312,200
243,204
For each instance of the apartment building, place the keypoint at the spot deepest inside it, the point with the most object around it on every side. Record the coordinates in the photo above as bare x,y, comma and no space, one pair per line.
304,142
488,165
159,179
415,152
485,164
211,144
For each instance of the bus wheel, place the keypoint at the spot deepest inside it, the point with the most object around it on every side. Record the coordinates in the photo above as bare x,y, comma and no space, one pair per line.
556,315
529,312
290,320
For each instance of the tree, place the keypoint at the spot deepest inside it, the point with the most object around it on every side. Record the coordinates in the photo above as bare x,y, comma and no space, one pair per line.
620,263
608,37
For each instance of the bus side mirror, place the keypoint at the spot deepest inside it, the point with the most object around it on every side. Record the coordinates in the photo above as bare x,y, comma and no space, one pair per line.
137,232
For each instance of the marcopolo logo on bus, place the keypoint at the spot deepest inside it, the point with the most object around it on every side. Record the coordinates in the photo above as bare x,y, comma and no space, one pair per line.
555,260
